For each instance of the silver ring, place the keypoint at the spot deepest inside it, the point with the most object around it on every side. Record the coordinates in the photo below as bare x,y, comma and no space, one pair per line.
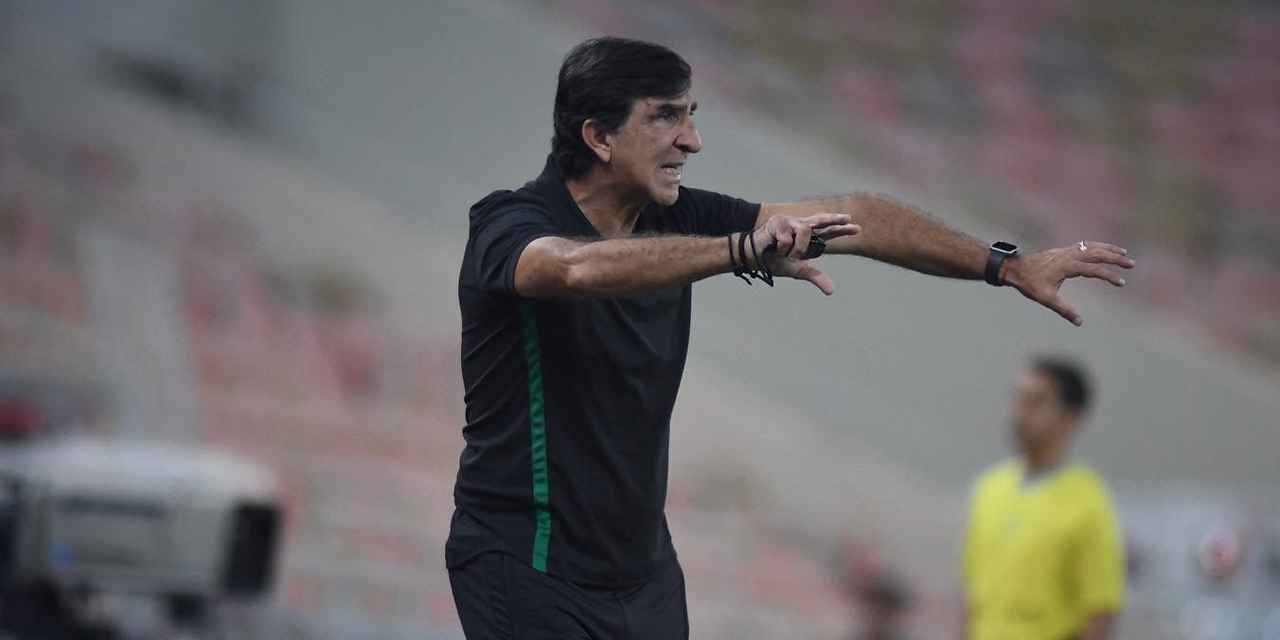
1082,246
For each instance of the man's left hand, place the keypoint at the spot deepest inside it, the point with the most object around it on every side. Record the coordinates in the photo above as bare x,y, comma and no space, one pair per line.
1039,275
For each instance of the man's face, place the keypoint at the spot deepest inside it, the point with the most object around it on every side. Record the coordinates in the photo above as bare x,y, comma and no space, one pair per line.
650,149
1039,417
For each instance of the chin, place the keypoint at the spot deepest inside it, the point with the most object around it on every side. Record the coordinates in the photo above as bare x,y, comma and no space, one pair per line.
666,197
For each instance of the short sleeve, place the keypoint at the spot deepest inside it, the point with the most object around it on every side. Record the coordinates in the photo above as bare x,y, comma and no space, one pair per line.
499,235
707,213
1100,559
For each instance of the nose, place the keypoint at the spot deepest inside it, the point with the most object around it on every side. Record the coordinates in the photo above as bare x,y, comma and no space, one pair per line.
688,141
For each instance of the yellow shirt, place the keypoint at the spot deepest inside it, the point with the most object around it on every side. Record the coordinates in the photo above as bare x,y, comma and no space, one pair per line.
1040,558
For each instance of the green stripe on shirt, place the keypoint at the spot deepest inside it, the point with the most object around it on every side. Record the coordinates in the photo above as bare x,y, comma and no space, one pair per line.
538,435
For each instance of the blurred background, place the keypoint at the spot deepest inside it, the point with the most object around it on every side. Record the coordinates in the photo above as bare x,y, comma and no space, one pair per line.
229,240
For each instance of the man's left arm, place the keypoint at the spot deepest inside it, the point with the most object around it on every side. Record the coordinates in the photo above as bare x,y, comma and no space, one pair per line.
1099,627
904,236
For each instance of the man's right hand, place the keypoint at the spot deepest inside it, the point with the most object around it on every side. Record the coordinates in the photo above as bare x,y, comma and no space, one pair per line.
793,236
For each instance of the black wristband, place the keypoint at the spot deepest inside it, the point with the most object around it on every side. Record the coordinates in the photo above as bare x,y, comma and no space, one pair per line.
740,267
763,272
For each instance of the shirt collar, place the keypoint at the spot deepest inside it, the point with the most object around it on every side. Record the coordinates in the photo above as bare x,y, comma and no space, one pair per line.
1027,481
550,185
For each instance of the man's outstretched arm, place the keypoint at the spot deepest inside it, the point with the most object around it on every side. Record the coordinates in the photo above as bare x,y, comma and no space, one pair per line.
901,235
554,266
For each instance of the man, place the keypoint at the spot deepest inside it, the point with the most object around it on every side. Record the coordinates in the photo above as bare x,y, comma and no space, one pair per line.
575,299
1042,557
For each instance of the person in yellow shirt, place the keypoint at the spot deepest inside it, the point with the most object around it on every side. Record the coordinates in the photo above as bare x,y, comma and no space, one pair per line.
1042,555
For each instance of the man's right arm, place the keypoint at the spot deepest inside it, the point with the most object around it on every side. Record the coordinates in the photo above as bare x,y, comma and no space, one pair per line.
560,267
553,266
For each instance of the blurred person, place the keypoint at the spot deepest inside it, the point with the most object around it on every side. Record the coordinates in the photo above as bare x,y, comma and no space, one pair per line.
575,299
1043,555
882,604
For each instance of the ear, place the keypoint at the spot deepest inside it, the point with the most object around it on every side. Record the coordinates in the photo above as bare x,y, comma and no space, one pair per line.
598,140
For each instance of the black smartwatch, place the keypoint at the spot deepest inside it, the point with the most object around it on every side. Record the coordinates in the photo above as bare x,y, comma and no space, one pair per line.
1000,251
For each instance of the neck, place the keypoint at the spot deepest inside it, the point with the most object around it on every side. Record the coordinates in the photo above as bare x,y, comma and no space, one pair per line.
1045,458
611,209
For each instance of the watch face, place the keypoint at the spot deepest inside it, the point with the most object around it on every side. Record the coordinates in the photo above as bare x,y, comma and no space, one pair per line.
1005,247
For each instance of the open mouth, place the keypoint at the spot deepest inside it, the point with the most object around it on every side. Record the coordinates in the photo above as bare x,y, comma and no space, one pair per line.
673,169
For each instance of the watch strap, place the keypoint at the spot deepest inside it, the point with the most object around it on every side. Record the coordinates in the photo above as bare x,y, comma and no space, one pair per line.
995,260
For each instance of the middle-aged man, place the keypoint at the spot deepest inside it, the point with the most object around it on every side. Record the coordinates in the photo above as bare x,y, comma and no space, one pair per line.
575,299
1042,555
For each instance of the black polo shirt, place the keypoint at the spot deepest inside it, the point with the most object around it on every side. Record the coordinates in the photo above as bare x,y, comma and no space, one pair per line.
569,401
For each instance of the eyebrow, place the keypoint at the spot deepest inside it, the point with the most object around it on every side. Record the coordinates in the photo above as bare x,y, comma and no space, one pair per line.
677,106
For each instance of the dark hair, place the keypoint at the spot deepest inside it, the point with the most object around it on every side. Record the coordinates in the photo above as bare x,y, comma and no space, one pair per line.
601,79
1069,377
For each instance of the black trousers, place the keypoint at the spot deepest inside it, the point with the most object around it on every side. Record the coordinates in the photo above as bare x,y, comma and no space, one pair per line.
500,598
